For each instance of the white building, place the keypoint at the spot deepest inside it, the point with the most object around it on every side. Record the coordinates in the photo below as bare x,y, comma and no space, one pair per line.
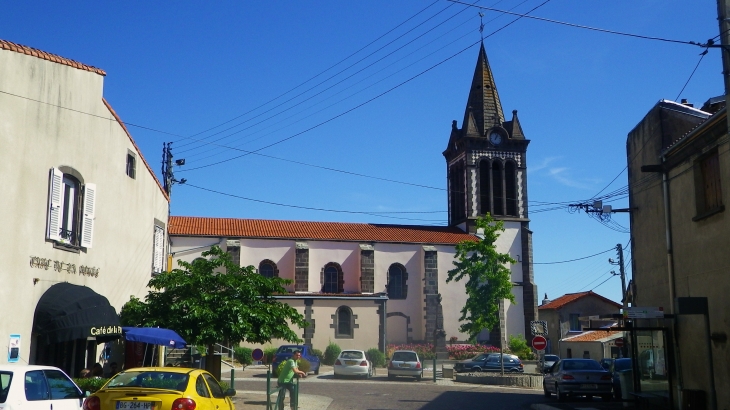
83,216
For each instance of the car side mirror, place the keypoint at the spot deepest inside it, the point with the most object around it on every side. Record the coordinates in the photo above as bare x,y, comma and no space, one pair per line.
230,393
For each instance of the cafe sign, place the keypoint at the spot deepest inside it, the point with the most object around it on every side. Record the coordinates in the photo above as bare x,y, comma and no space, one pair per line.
60,266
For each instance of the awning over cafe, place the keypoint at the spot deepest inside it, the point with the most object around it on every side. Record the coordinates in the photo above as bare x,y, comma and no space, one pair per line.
68,312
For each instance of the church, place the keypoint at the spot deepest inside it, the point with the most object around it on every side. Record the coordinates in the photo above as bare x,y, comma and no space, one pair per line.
364,285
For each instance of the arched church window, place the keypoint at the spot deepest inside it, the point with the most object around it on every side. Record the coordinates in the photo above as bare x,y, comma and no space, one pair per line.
397,279
510,185
484,188
344,323
268,268
497,186
332,279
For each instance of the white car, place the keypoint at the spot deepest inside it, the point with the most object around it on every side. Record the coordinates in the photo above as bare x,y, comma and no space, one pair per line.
38,388
353,363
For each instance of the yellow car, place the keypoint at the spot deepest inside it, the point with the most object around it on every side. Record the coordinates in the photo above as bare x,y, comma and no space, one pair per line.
161,388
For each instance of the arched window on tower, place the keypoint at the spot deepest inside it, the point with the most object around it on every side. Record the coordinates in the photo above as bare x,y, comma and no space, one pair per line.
457,190
497,184
484,188
510,187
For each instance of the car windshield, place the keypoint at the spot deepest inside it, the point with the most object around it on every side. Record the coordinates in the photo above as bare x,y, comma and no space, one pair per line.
405,357
348,354
5,379
150,379
551,358
289,349
621,364
581,365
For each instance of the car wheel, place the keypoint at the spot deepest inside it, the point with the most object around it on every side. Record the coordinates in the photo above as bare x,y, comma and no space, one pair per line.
514,370
418,378
391,377
558,394
545,390
335,376
606,397
476,369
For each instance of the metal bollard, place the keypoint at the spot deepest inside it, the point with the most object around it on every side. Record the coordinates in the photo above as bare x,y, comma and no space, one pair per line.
233,378
434,369
295,397
268,389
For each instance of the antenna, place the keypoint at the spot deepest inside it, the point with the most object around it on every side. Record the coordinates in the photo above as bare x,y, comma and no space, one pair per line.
481,25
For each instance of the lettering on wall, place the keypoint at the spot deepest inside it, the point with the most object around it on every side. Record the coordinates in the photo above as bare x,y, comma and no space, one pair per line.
60,266
106,330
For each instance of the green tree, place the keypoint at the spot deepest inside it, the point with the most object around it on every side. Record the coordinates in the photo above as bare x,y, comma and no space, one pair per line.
488,279
212,300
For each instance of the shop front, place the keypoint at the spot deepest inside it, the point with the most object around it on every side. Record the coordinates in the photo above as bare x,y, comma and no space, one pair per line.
68,324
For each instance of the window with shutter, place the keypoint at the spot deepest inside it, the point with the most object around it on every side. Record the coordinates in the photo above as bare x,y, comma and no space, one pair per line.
87,232
55,203
158,250
708,192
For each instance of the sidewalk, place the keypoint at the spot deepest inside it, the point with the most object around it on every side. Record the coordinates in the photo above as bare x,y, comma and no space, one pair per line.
256,400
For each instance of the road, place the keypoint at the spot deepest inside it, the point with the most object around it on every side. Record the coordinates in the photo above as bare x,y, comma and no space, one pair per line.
379,393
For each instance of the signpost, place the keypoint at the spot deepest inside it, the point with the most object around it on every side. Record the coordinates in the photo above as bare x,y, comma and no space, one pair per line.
257,355
644,313
539,343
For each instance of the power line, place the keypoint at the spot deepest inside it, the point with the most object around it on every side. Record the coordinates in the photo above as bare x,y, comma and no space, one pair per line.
582,26
702,55
367,101
573,260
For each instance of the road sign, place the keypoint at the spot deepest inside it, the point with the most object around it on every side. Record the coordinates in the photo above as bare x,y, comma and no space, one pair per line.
644,313
539,327
618,342
257,354
539,343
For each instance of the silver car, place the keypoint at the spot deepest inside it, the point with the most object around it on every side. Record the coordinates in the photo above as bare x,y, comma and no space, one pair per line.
405,363
578,377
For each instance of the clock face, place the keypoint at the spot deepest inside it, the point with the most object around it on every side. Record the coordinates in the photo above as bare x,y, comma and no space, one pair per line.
495,138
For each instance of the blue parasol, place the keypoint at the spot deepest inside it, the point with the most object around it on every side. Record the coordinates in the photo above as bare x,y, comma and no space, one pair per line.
155,336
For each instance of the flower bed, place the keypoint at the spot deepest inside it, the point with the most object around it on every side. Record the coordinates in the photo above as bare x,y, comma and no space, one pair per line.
456,352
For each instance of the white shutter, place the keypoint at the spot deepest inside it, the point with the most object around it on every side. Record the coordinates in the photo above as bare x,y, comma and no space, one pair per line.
87,222
55,204
159,247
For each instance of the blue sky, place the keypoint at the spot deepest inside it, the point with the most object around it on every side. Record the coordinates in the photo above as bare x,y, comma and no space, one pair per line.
371,88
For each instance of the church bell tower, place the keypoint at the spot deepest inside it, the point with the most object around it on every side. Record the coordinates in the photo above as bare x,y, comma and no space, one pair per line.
486,166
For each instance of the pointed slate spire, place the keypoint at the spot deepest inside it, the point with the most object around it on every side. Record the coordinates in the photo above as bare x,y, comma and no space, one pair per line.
516,131
483,102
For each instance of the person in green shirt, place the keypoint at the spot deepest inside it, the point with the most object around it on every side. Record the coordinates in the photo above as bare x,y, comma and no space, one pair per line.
286,376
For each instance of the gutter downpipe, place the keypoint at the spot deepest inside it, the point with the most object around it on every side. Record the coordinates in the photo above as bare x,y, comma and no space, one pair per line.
670,274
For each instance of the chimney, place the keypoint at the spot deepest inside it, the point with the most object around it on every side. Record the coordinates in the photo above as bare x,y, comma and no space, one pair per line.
684,102
546,300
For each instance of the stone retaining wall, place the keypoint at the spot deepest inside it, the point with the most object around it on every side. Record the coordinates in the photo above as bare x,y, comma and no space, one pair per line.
528,381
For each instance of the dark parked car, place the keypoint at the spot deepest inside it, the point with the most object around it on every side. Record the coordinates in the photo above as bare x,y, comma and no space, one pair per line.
619,365
489,362
284,352
578,377
548,361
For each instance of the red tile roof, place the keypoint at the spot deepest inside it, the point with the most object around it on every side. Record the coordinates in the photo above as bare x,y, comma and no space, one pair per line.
571,297
7,45
335,231
592,336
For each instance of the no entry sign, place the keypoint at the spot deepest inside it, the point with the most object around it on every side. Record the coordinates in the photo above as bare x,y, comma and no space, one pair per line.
539,343
619,342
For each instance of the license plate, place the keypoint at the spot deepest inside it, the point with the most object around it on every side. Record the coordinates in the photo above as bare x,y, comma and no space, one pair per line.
142,405
405,365
350,362
589,386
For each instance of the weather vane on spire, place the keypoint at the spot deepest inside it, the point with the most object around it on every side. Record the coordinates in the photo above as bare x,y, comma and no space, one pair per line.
481,24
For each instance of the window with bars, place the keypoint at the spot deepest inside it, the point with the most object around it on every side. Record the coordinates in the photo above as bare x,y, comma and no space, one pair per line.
332,279
708,193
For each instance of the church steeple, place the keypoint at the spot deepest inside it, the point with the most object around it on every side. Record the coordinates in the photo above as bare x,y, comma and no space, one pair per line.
483,103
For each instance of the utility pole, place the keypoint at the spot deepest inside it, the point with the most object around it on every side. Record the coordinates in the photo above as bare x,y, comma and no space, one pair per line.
168,175
723,10
622,272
